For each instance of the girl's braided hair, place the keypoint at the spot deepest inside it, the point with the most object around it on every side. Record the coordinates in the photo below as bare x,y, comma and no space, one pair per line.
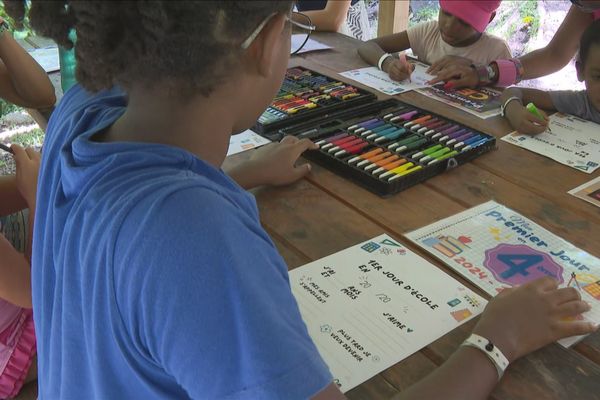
191,45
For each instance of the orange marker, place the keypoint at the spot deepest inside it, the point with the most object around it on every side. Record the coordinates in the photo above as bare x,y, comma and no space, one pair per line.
375,158
365,156
390,166
381,162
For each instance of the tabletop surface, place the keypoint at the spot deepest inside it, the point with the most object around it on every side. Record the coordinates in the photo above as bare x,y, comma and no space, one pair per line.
324,213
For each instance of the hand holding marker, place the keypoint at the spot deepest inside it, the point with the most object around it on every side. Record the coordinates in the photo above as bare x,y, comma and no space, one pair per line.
6,148
534,110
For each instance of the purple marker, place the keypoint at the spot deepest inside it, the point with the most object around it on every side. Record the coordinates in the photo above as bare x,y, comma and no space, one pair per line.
446,131
453,135
460,138
362,123
405,116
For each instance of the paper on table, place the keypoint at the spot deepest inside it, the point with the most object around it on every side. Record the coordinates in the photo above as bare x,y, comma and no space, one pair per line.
573,142
376,303
482,102
377,79
245,140
310,45
497,248
47,58
589,192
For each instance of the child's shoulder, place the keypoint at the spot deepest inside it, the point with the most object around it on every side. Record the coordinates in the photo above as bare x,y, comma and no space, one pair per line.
495,46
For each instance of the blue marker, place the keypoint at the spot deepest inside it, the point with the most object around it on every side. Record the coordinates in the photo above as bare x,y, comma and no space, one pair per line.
476,144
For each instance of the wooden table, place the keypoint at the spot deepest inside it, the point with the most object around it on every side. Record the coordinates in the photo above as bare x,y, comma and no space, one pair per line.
325,213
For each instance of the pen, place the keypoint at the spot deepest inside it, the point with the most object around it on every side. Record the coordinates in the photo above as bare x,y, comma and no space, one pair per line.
6,148
533,109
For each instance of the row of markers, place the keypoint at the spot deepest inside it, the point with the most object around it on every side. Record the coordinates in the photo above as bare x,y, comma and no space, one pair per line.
400,143
303,91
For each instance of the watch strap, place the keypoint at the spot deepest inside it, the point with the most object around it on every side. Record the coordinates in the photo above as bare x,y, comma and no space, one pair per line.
494,354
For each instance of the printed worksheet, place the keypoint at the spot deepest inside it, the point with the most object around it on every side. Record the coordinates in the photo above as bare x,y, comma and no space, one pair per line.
310,45
374,304
245,140
571,141
589,192
497,248
482,102
379,80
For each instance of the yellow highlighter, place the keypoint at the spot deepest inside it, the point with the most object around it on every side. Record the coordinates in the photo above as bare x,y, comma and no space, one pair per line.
534,110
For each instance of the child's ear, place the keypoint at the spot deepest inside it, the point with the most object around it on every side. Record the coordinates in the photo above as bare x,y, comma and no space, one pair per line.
265,47
492,16
579,68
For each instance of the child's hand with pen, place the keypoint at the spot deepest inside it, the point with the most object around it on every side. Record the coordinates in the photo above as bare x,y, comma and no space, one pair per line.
526,119
399,69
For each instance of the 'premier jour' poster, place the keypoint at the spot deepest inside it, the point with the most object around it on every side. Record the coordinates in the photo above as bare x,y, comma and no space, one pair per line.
497,248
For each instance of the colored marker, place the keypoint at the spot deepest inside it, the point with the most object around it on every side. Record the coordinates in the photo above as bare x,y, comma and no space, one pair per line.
432,131
397,170
412,146
447,155
418,120
408,171
406,140
476,144
427,151
381,162
377,157
382,132
339,142
436,154
379,128
331,138
446,131
361,123
460,138
390,166
405,116
352,150
371,125
470,140
366,155
534,110
391,136
345,145
453,135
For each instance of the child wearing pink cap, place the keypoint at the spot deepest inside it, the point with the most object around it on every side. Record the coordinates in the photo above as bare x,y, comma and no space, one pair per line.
459,31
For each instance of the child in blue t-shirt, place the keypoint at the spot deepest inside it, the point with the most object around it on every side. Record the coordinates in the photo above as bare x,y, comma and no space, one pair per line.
152,275
584,104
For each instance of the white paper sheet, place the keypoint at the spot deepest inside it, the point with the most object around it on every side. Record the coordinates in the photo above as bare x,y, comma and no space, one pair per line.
47,58
376,303
377,79
497,248
245,140
573,142
310,45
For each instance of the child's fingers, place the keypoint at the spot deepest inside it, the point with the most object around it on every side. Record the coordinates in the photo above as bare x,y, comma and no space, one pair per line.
19,154
32,154
289,139
565,295
572,308
574,328
302,145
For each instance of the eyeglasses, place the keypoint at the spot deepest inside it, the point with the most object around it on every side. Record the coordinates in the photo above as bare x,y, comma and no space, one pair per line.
585,8
301,28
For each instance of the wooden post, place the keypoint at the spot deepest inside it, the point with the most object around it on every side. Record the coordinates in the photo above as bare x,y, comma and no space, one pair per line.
393,16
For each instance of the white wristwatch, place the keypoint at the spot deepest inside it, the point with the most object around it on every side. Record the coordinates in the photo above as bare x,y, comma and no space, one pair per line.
492,352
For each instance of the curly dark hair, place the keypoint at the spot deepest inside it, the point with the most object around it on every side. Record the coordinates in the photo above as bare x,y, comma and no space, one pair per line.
190,45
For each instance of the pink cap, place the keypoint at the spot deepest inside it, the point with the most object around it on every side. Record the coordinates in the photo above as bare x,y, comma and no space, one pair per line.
476,13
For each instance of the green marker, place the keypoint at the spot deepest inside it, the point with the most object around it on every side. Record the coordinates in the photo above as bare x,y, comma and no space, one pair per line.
534,110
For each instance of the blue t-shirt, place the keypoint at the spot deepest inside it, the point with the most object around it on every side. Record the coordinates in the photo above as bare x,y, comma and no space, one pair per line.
152,276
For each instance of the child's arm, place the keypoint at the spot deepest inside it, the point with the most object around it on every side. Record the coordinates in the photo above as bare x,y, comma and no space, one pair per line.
372,50
273,164
519,117
15,275
22,81
331,18
11,199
